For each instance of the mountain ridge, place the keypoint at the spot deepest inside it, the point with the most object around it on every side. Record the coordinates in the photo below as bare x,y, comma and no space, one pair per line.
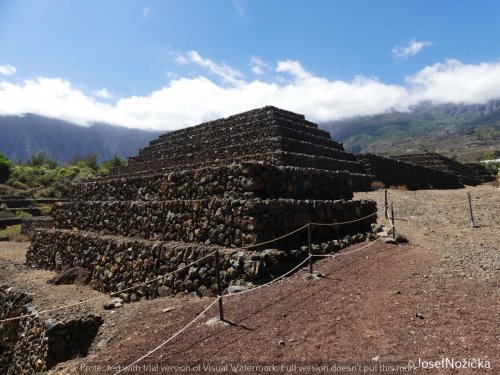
24,136
463,131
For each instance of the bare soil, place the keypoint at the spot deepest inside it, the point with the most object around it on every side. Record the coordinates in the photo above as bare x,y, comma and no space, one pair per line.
386,305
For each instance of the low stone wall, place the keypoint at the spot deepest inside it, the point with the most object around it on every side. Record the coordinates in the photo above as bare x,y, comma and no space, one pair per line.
235,181
117,263
29,225
30,345
225,222
395,173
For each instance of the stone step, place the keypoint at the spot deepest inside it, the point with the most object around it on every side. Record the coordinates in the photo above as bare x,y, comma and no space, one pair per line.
236,136
162,160
264,137
248,180
278,158
238,222
254,117
4,223
33,211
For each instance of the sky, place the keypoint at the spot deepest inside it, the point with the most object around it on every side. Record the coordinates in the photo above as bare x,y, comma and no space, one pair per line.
169,64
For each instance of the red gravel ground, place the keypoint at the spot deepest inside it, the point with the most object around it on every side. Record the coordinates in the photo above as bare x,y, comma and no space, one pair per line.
374,309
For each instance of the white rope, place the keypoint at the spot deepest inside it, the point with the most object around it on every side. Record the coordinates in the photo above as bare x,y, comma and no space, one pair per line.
269,283
169,339
345,222
348,252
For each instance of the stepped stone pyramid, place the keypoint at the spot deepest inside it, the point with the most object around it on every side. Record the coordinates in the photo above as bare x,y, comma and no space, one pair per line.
229,184
466,175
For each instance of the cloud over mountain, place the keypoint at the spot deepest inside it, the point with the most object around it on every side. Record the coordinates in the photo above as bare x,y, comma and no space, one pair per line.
223,90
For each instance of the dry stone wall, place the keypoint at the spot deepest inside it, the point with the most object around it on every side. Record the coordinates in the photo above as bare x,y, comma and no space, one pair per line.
394,173
236,181
29,225
225,222
32,345
117,263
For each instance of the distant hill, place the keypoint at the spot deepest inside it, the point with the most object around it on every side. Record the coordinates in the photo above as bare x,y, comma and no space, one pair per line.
464,131
24,136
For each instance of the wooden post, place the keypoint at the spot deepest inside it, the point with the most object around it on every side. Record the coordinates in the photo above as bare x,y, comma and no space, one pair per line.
392,221
385,204
310,249
219,286
472,224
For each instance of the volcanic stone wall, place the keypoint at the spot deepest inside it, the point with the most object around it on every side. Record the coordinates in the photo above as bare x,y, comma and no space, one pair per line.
32,346
29,225
393,172
117,263
226,222
244,137
442,163
481,171
235,181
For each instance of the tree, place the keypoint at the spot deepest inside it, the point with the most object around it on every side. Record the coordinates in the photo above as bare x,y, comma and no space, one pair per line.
5,168
89,160
40,159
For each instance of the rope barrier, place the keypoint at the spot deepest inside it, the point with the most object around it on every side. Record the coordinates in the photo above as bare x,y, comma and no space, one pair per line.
344,222
169,339
275,239
183,268
269,283
348,252
438,203
106,295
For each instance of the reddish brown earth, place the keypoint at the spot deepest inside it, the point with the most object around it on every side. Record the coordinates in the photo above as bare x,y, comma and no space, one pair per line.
383,306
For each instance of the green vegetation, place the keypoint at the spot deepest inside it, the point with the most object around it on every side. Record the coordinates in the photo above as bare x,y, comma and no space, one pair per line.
5,168
40,176
11,232
491,155
493,167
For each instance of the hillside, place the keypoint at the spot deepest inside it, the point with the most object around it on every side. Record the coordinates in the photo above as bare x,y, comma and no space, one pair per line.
464,131
24,136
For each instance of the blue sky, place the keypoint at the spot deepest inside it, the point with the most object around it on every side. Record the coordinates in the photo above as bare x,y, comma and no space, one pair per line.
170,64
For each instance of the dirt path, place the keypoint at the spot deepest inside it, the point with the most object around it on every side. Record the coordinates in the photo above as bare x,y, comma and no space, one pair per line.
386,305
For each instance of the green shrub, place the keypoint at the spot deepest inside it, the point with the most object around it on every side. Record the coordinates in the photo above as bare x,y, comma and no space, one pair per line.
11,231
5,168
23,214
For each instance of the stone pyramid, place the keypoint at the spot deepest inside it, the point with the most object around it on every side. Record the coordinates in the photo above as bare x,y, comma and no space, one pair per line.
229,184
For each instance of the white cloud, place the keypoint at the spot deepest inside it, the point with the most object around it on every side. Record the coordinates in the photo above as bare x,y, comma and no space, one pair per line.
7,70
190,101
294,68
146,11
102,93
239,8
411,49
227,73
258,66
